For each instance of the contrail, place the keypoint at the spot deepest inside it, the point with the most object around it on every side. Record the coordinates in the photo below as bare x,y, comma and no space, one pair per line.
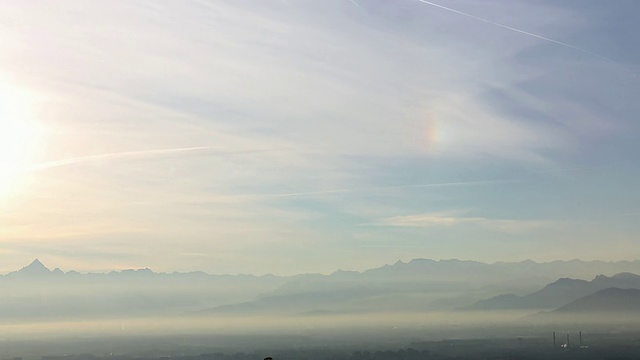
377,188
310,193
272,196
459,183
355,3
111,156
583,50
130,155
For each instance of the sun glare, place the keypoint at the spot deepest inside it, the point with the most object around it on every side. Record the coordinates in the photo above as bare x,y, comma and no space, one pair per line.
18,136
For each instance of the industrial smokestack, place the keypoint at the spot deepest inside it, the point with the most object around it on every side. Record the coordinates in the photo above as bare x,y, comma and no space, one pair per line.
554,339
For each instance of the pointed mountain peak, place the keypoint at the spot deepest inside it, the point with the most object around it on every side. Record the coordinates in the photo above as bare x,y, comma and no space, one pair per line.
35,268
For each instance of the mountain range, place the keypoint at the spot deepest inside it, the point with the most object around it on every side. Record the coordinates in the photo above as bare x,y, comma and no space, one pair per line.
609,300
558,293
419,285
613,308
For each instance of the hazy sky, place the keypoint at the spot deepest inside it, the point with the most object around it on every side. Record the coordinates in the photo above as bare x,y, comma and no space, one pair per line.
293,136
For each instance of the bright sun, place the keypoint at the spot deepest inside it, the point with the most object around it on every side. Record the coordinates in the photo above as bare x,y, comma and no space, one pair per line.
18,136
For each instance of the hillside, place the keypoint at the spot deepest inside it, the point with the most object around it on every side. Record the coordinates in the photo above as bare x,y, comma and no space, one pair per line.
558,293
610,300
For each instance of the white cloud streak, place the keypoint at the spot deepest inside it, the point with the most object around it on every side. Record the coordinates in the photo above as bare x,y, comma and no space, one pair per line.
557,42
455,218
124,155
378,188
355,3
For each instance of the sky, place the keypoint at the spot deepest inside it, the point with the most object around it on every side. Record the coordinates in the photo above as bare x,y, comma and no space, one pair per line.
293,136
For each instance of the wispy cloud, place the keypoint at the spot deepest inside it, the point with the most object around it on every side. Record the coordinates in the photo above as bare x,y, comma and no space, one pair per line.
455,218
114,156
374,115
364,190
139,154
390,187
527,33
355,3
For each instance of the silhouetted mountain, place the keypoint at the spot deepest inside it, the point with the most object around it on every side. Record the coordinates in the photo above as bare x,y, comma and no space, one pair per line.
610,300
34,269
558,293
621,280
416,286
425,275
422,285
36,292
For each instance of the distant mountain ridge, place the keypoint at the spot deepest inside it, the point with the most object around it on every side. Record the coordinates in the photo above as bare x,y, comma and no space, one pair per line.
559,293
37,292
415,286
452,268
37,268
419,285
608,307
609,300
